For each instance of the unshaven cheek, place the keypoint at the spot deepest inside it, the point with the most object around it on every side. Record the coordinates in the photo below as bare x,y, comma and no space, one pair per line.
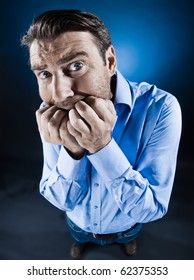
96,84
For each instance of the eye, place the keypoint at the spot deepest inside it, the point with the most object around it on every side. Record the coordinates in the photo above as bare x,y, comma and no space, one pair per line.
45,75
76,66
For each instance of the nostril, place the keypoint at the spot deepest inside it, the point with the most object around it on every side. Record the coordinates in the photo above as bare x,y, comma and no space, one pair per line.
62,95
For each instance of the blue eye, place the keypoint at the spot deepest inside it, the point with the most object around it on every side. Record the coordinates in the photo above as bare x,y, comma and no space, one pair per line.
75,66
45,75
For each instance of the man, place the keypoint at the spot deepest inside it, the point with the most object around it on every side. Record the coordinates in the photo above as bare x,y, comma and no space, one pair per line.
110,146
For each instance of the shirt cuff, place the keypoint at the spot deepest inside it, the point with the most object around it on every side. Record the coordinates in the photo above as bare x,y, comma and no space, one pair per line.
71,168
110,162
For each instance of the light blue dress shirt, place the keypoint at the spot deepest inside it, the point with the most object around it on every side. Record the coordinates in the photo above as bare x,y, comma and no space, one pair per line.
130,180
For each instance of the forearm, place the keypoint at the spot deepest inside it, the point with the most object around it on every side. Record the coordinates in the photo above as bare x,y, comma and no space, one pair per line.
63,193
144,197
140,175
64,180
136,197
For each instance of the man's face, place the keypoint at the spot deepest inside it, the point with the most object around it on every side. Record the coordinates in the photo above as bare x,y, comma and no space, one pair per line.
70,68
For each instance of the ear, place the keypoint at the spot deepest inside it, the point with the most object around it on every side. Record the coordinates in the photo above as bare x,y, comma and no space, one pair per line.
111,62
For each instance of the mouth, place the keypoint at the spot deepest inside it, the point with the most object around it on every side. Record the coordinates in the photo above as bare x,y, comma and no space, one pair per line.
69,104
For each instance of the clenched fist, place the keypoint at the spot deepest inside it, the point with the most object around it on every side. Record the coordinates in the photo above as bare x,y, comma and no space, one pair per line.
86,127
91,123
52,124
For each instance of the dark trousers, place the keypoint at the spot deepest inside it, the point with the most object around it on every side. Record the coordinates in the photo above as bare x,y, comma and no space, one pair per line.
80,236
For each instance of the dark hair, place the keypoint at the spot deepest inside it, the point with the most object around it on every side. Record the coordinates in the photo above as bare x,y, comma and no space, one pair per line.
49,25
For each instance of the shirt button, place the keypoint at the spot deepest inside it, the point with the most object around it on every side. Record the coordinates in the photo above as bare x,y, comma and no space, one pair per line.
96,185
95,207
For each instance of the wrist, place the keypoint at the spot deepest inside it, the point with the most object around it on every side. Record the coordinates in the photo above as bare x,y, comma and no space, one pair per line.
76,154
97,148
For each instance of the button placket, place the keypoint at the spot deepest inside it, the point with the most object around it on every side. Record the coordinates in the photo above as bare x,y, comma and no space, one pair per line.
95,202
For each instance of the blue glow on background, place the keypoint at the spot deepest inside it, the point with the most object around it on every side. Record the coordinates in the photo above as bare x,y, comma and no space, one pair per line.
151,37
154,42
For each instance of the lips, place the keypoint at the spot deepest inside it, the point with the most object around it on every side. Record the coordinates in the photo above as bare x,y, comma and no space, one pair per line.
69,104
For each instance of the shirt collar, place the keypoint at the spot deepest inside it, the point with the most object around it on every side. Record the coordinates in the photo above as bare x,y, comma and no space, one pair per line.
123,92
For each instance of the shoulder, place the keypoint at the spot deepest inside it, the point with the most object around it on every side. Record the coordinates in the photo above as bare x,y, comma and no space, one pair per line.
151,93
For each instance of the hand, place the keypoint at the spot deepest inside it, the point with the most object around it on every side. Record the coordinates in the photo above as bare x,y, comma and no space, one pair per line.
52,124
91,123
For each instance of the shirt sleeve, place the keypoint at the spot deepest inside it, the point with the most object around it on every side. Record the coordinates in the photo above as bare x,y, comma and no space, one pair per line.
64,180
143,191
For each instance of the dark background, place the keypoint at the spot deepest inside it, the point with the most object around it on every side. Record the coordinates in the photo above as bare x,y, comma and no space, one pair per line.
154,42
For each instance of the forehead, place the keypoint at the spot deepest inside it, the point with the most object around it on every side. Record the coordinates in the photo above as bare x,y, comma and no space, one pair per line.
66,43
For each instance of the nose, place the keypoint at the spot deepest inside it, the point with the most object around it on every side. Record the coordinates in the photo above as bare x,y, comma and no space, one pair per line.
61,88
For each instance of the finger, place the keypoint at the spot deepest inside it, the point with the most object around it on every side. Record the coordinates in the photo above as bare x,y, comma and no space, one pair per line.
48,114
95,112
88,115
78,122
64,133
54,124
110,106
73,132
39,113
99,104
43,116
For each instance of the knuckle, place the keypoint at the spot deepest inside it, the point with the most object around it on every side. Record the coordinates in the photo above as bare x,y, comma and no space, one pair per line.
97,133
44,118
112,121
63,132
108,127
78,122
109,102
64,123
110,106
52,123
37,113
60,112
96,102
87,109
92,101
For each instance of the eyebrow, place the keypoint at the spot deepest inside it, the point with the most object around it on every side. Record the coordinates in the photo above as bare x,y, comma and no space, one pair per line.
71,57
38,67
60,61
